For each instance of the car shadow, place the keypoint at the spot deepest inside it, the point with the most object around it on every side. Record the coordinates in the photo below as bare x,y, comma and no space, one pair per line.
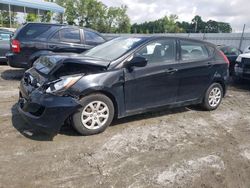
68,130
25,129
241,85
12,74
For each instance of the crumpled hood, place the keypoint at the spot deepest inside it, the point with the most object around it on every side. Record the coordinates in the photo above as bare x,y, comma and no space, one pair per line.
79,58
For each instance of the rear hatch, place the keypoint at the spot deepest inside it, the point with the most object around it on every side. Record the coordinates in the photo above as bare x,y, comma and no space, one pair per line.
27,36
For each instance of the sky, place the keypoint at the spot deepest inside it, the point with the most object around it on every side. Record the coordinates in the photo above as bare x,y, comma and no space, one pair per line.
235,12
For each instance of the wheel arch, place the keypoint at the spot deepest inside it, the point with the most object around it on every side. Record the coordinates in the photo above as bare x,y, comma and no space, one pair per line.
107,94
222,84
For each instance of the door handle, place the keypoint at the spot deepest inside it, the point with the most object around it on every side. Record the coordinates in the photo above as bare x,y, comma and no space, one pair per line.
52,46
171,70
209,64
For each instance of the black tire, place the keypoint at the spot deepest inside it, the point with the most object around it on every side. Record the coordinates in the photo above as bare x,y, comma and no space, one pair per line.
205,104
85,101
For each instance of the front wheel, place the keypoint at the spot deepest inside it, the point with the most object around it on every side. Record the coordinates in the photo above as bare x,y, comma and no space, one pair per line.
95,115
213,97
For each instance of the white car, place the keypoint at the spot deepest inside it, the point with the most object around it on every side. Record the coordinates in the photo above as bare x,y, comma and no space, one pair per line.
246,50
242,67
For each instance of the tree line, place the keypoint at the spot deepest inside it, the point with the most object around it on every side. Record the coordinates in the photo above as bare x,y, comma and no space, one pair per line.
96,15
170,24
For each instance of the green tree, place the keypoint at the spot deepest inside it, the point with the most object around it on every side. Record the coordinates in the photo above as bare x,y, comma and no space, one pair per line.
224,27
59,17
212,27
46,17
31,17
167,24
198,25
94,14
70,12
185,27
5,19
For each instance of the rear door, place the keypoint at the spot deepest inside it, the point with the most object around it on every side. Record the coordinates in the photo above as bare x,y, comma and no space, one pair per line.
155,84
67,40
196,68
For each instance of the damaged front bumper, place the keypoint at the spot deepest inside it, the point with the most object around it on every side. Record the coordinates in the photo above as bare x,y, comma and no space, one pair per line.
44,111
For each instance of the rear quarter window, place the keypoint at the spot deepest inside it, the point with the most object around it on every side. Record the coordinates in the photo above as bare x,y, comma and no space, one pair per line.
92,37
67,35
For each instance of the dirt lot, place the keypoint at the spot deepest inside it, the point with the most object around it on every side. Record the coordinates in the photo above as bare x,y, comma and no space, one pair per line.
184,147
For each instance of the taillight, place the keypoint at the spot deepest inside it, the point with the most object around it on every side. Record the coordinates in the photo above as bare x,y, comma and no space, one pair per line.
15,46
225,58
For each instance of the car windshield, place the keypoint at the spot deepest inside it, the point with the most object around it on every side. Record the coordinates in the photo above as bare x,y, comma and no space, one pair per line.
45,64
114,49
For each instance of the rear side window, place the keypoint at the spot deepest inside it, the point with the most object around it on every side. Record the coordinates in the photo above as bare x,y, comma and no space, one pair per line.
67,35
70,35
193,51
33,31
93,37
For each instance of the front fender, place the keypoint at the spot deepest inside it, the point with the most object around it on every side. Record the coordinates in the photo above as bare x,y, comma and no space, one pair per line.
110,83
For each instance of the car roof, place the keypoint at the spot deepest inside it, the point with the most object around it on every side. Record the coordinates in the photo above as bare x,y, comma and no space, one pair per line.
155,37
63,25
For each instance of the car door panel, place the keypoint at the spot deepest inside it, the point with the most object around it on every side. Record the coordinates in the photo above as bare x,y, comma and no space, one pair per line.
194,78
195,71
149,87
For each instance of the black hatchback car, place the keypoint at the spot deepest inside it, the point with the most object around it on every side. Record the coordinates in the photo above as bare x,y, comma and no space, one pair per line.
33,40
122,77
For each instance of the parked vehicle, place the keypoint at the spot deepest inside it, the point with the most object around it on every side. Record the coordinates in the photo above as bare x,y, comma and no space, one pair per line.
232,53
242,67
33,40
246,50
122,77
4,44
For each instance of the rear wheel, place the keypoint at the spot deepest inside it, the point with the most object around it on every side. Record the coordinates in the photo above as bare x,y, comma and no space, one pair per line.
95,115
213,97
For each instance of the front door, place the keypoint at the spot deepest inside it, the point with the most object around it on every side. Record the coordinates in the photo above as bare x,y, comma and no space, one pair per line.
155,84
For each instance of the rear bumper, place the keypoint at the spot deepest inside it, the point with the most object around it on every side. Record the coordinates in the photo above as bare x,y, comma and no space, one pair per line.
242,73
15,60
3,59
44,111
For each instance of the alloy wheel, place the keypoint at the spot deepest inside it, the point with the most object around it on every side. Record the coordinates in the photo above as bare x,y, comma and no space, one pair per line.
214,97
95,115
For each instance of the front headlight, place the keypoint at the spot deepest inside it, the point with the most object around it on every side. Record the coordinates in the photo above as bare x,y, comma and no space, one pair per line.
63,84
239,58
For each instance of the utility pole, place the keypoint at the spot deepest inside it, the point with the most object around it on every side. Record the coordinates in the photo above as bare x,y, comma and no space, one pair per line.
242,36
196,26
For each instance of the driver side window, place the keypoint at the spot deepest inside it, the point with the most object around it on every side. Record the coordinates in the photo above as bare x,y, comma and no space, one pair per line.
160,51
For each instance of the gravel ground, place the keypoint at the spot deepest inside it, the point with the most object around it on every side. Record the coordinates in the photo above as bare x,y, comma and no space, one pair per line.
184,147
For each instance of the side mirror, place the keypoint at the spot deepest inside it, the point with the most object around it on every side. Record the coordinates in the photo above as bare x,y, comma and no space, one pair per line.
137,61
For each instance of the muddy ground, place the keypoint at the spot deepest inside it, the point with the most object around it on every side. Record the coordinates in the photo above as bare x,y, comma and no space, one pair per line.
184,147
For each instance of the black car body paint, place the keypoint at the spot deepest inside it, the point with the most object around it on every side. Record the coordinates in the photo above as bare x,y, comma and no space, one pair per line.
40,39
132,91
